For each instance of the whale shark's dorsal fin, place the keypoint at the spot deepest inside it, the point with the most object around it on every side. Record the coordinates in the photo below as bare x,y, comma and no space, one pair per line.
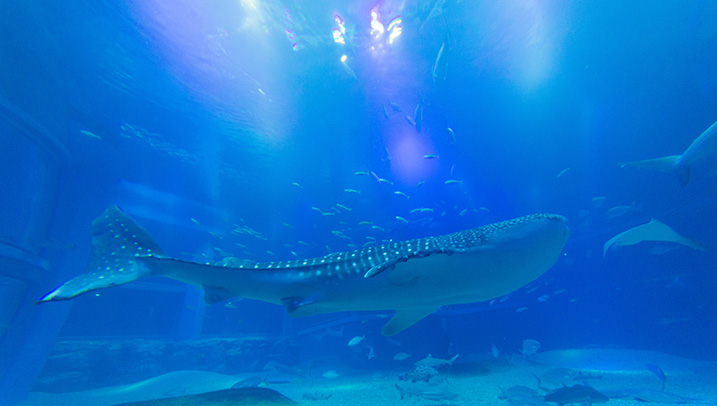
405,318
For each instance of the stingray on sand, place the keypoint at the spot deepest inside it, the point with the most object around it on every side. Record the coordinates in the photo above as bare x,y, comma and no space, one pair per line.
235,397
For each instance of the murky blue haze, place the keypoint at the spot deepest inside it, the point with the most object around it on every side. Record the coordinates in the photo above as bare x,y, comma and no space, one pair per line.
268,130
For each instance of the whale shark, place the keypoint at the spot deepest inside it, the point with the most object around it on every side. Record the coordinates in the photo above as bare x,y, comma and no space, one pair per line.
414,278
698,160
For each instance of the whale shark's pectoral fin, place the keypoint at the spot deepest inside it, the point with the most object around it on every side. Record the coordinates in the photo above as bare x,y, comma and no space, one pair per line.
216,294
405,318
655,230
294,303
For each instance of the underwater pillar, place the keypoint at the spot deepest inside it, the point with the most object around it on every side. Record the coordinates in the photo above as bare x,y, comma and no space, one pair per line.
29,172
189,325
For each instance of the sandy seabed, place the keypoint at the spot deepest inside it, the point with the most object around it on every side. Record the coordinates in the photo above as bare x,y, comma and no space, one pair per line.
468,383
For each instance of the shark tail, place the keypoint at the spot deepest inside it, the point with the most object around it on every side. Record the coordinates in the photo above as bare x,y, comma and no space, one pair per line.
670,164
119,247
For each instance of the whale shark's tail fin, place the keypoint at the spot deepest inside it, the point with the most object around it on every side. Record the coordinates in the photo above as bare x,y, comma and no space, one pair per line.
669,163
119,245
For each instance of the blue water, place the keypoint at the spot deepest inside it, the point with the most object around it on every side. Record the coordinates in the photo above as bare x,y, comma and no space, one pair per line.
226,128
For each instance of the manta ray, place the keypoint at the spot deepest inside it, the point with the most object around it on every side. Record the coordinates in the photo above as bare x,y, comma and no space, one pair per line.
655,230
414,277
699,159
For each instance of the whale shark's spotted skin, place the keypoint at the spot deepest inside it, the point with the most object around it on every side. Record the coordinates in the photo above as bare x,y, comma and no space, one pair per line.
415,277
384,256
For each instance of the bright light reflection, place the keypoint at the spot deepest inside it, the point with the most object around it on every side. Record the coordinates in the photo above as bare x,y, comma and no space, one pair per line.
394,28
338,33
407,151
376,26
338,36
340,22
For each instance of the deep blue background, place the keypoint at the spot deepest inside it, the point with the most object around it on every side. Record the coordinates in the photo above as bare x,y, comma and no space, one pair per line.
211,111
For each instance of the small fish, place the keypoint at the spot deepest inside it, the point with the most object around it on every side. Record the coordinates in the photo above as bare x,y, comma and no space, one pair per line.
399,193
90,134
328,213
617,211
395,106
561,173
330,374
451,135
295,254
543,298
356,341
399,218
411,120
381,180
453,182
530,347
362,173
401,356
365,223
317,209
287,225
559,291
297,185
341,206
494,351
370,353
434,362
358,192
352,246
385,112
597,201
304,243
437,65
379,228
416,210
193,220
270,252
521,309
426,210
463,212
418,116
421,183
431,156
429,393
367,243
